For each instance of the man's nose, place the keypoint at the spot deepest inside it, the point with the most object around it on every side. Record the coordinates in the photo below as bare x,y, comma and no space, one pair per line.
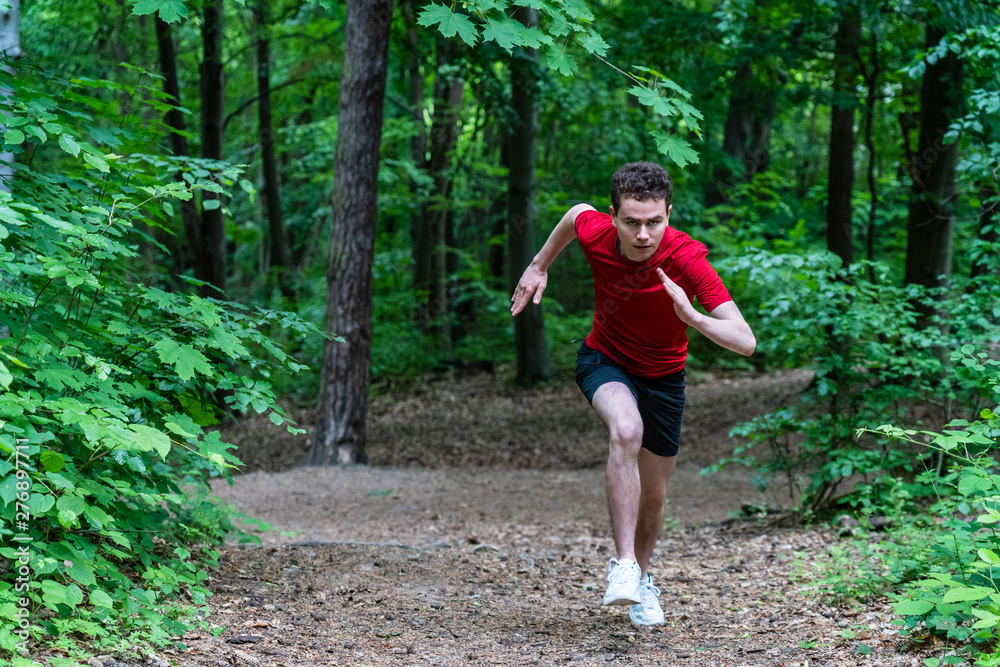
643,232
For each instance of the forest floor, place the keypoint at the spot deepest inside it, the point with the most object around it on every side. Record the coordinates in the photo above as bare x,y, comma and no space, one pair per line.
479,536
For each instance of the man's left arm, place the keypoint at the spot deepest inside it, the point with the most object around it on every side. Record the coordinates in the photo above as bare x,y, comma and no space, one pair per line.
724,326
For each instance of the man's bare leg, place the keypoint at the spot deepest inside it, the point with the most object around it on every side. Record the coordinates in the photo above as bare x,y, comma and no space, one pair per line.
617,407
654,474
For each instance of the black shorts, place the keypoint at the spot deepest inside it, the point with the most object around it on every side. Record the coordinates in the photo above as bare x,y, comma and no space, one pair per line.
660,400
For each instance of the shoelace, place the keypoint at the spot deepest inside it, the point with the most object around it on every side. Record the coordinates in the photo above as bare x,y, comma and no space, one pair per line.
646,590
617,572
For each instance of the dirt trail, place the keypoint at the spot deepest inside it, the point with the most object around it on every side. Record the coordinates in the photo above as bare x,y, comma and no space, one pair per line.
482,538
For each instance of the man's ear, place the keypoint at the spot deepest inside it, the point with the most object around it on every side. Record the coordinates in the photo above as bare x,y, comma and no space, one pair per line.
611,210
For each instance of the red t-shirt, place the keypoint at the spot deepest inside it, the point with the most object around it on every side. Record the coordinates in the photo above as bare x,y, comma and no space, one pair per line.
634,319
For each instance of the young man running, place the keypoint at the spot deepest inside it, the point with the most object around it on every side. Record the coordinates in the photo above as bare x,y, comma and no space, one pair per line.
631,366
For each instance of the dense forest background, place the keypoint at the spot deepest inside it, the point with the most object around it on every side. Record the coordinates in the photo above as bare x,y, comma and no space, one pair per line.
211,208
802,103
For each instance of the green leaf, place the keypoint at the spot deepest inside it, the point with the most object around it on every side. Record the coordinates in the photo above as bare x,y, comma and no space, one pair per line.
67,144
988,556
52,461
100,599
74,595
577,9
560,26
673,86
188,429
60,481
100,164
563,63
8,489
37,132
965,593
185,359
147,438
82,572
70,504
595,44
13,137
53,593
449,23
913,607
690,116
973,484
984,614
97,515
504,32
39,504
226,342
675,148
5,376
532,37
210,204
864,649
664,106
170,10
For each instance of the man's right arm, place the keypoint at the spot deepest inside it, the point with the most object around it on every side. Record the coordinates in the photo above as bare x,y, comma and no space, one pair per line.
535,277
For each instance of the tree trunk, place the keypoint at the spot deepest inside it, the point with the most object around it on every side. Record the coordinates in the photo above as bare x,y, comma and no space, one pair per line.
534,363
871,83
734,139
934,195
418,147
213,225
343,399
10,42
196,248
448,94
747,134
840,183
272,194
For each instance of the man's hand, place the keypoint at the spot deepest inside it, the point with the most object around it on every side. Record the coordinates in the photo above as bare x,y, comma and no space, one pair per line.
682,305
533,282
724,326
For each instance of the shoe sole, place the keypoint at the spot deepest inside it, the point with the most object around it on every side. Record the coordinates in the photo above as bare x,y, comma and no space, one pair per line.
635,622
620,602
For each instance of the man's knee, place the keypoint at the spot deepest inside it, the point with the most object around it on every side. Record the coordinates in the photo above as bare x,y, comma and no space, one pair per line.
627,436
652,497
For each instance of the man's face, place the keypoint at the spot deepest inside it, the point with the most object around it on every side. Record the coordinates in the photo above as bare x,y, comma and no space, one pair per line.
640,226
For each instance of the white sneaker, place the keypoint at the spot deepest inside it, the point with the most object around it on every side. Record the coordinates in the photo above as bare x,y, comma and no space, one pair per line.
623,582
648,611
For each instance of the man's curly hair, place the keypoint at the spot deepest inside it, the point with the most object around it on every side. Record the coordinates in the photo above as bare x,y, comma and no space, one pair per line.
641,181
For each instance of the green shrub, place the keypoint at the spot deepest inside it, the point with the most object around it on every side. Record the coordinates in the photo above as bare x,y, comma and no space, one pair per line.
936,562
108,382
874,359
